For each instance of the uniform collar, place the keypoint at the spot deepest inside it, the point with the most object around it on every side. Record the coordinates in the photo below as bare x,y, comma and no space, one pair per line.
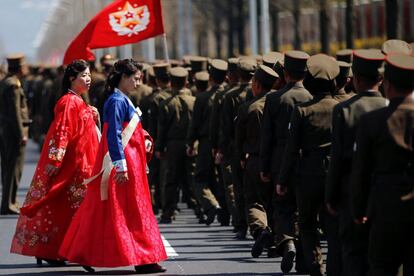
370,93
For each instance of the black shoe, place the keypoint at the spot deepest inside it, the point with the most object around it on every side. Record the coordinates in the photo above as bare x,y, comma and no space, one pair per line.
165,220
289,254
9,211
149,268
211,215
272,252
241,234
263,241
202,219
88,268
50,262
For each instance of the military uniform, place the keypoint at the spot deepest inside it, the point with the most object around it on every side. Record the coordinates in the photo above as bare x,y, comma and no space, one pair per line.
306,159
345,120
383,173
341,80
175,115
276,116
231,103
14,116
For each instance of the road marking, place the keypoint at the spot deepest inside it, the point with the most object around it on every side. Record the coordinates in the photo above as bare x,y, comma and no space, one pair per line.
168,248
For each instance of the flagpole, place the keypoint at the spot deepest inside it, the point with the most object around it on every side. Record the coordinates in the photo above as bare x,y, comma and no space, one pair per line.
167,59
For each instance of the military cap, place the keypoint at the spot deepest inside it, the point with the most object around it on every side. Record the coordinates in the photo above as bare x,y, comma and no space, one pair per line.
198,64
279,66
265,74
15,60
247,64
161,69
295,61
175,63
344,69
271,58
399,70
218,68
323,67
344,55
202,76
151,72
187,60
367,62
107,59
396,46
232,64
145,66
178,72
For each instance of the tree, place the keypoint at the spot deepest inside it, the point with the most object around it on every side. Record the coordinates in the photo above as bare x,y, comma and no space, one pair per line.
391,20
241,15
230,30
297,43
274,15
349,23
324,25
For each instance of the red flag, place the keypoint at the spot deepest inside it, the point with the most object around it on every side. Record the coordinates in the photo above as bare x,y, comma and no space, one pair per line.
121,22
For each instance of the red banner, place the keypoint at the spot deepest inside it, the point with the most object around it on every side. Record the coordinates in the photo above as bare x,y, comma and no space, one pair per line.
122,22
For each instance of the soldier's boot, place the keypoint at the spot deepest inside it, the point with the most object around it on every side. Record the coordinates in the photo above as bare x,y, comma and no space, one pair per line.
289,254
211,214
263,240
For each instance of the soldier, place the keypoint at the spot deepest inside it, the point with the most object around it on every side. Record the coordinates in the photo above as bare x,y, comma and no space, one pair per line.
277,112
345,55
201,81
232,100
383,172
205,176
346,116
14,131
174,119
258,194
143,90
394,46
342,81
198,64
278,68
305,161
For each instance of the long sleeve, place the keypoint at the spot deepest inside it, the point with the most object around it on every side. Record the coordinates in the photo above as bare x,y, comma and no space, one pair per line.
14,103
241,130
227,124
193,130
117,111
291,154
266,138
361,169
215,120
163,125
334,178
64,128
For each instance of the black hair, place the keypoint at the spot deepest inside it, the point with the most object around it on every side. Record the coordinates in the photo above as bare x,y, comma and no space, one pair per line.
245,75
201,85
127,67
296,75
178,83
72,71
266,83
316,86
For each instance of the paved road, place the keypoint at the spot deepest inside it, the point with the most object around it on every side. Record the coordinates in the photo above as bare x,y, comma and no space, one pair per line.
194,249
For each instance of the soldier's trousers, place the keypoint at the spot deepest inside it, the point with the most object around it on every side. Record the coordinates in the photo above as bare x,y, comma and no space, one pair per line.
240,219
258,198
12,162
178,170
310,198
204,177
354,239
226,175
390,245
334,256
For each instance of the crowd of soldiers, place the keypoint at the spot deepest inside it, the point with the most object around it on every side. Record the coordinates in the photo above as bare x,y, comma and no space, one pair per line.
290,147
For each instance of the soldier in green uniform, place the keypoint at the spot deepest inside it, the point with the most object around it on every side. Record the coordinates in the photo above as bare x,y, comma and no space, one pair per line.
346,116
383,173
197,64
277,112
14,131
258,194
151,104
345,55
305,162
174,119
231,102
342,80
201,81
205,175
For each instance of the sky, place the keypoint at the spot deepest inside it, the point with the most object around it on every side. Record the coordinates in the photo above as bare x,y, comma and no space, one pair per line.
20,22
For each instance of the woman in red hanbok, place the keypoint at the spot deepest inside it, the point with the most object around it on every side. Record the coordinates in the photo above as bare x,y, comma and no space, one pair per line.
67,158
115,225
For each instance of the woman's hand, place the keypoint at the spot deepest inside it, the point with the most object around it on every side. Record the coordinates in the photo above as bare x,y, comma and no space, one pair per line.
51,170
121,177
95,112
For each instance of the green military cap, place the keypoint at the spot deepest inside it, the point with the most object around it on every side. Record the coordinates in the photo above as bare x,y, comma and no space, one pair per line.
178,72
175,63
161,69
15,60
323,67
266,75
279,66
107,60
198,64
233,62
295,61
396,46
399,70
367,62
151,72
271,58
344,55
203,76
247,64
187,60
218,67
344,69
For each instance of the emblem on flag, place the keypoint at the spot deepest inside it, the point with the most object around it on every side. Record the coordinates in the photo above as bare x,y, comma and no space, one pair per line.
129,20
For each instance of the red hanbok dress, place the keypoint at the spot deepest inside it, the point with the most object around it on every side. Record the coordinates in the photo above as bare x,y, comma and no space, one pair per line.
71,144
121,229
